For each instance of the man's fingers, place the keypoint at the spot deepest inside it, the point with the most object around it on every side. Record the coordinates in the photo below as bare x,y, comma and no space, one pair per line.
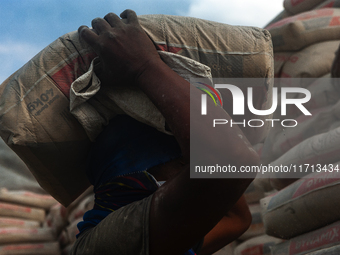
113,19
89,36
100,25
130,15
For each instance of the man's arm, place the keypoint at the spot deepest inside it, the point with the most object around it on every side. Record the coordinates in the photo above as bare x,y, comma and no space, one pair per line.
183,210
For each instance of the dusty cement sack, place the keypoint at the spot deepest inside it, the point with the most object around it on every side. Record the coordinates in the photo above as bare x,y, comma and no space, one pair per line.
311,242
281,140
23,212
320,149
305,205
51,248
260,245
298,6
14,173
282,15
25,235
256,228
27,198
18,223
313,61
323,93
299,31
56,150
308,126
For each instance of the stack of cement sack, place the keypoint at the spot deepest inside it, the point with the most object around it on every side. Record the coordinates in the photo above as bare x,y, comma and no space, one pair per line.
23,207
304,50
63,221
305,211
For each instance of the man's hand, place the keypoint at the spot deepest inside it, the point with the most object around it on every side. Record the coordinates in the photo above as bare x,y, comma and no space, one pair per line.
124,48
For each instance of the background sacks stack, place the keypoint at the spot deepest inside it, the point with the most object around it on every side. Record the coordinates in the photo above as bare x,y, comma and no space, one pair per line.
22,214
35,118
305,211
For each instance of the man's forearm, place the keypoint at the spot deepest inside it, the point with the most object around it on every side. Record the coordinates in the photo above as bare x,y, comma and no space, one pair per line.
171,95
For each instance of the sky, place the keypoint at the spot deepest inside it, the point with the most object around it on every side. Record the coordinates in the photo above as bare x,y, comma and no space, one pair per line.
28,26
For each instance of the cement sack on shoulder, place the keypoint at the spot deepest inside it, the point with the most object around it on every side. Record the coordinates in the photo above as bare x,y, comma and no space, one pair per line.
329,4
315,242
22,212
313,61
299,31
323,93
260,245
298,6
39,127
31,249
25,235
283,14
256,228
27,198
14,173
18,223
305,205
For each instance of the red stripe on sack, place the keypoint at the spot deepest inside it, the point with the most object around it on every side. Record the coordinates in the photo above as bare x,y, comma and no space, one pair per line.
303,16
258,249
15,208
315,240
330,5
10,221
70,72
4,231
335,22
316,182
23,247
164,47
